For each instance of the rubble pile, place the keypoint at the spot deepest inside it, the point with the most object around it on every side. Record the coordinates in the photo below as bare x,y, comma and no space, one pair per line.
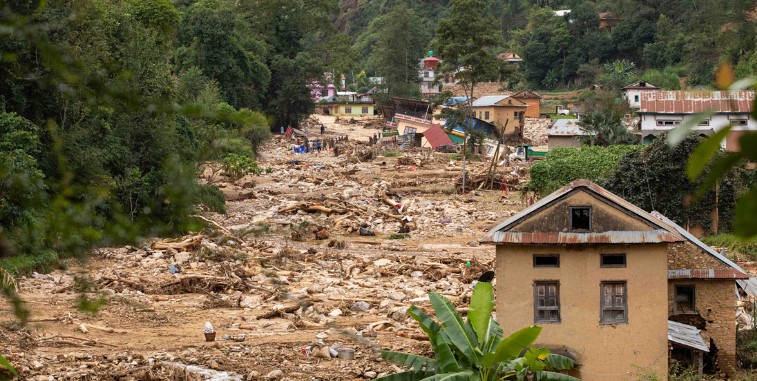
535,131
306,277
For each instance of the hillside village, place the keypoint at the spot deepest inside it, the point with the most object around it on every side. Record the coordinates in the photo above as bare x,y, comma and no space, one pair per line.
479,219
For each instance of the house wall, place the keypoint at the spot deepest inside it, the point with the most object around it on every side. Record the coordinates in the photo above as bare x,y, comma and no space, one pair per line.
604,218
356,109
714,301
554,141
604,351
498,115
649,125
534,107
715,304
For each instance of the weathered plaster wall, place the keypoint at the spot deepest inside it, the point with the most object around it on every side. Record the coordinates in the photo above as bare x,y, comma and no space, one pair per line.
556,217
605,352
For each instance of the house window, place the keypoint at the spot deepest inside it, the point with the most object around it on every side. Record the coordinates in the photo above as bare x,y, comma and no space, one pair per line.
636,98
613,260
684,299
668,122
365,110
738,122
426,74
486,115
479,115
614,303
546,260
348,110
546,302
580,218
705,122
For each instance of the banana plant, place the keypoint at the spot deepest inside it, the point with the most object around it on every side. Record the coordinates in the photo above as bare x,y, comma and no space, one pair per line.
475,350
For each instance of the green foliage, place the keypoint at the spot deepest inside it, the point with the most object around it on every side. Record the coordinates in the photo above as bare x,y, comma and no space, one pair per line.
617,74
605,129
237,166
475,349
211,197
645,178
736,246
564,165
746,349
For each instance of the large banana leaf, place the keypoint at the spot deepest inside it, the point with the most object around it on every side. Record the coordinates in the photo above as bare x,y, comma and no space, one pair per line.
461,335
480,309
427,323
408,360
467,375
511,347
559,362
444,356
552,376
410,375
492,337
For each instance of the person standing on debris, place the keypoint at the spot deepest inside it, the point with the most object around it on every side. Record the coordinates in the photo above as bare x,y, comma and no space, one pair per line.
318,145
282,130
323,128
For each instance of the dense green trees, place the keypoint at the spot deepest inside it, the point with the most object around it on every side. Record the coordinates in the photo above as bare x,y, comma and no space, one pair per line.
107,109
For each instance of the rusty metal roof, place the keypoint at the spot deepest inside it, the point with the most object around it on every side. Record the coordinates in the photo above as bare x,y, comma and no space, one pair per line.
736,272
706,274
690,102
686,335
650,236
662,233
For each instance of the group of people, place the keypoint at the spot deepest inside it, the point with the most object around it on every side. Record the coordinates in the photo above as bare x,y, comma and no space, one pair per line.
313,146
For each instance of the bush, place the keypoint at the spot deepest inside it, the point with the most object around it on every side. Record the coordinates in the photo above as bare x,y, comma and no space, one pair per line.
237,166
736,246
563,165
210,196
746,349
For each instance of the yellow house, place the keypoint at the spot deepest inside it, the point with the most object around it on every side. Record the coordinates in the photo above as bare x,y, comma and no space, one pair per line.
591,269
347,109
501,109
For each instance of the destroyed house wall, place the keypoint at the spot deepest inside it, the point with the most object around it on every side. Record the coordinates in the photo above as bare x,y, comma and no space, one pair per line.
715,316
604,217
686,255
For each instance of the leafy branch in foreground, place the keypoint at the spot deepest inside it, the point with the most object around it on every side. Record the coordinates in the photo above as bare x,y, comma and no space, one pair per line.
475,349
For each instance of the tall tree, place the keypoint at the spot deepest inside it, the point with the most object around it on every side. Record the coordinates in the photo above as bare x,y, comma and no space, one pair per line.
402,38
465,43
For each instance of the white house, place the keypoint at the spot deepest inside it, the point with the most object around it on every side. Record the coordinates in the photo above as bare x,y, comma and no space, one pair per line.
427,74
632,92
661,111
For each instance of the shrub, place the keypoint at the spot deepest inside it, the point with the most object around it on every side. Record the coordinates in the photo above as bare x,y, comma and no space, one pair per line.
563,165
237,166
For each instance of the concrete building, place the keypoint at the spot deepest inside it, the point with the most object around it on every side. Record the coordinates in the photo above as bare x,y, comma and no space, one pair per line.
661,111
427,74
564,133
632,92
345,104
605,278
532,100
500,110
591,269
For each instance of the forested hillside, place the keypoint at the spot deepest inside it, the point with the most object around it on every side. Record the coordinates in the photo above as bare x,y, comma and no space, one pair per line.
661,41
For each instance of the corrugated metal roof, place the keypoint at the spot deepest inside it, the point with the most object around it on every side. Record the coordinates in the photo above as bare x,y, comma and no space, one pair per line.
706,274
496,234
566,127
749,286
690,102
488,100
707,249
641,85
686,335
437,137
648,236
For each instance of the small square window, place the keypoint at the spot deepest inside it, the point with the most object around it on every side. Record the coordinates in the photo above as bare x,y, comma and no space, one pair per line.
580,218
613,260
546,260
348,110
684,299
365,110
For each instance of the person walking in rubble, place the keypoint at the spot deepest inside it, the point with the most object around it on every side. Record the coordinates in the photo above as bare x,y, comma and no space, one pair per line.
318,145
